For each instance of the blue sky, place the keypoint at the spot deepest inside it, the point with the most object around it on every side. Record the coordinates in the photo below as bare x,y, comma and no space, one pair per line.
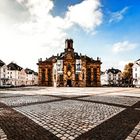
106,28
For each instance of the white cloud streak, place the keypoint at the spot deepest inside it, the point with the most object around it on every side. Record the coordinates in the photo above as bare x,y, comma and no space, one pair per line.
123,46
118,16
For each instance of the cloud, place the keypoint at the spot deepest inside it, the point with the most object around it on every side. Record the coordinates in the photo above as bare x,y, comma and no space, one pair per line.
37,8
36,33
123,46
118,16
86,14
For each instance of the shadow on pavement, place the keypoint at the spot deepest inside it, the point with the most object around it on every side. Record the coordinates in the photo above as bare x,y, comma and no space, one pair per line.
18,127
116,128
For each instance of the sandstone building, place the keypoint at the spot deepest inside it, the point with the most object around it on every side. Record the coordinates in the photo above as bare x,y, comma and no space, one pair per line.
69,69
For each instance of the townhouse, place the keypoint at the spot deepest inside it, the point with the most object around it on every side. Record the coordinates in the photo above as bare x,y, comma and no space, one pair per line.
111,77
14,75
3,74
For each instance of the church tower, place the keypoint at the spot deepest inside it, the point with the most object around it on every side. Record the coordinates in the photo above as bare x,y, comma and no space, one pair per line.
69,45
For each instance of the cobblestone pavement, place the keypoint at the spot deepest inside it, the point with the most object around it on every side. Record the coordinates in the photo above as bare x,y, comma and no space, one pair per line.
26,100
36,113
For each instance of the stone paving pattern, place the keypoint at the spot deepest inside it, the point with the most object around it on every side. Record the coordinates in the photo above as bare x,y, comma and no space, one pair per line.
70,113
68,119
26,100
126,101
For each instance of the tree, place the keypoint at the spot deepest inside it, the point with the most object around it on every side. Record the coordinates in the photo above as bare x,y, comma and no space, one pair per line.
127,75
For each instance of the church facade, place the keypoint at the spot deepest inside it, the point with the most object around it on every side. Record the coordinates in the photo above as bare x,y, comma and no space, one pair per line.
69,69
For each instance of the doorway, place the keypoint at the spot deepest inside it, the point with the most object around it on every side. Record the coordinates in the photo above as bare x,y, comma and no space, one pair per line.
69,83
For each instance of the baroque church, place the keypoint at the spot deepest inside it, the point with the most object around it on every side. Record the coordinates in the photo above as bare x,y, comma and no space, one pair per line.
69,69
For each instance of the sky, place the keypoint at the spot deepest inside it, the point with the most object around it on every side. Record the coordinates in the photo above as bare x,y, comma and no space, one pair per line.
33,29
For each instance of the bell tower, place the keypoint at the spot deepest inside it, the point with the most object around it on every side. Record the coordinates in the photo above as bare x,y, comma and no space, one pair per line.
69,45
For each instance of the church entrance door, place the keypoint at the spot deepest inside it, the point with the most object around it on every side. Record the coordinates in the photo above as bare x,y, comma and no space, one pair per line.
69,83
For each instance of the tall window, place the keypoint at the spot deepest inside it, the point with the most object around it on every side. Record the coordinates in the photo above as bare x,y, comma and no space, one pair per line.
61,77
83,76
49,75
59,66
95,74
77,77
89,74
78,65
43,75
135,75
69,67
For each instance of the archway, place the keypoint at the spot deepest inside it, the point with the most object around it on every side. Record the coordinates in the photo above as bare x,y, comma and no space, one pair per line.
69,84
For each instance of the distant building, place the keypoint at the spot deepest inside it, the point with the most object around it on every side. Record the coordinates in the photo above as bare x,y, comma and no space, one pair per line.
111,77
69,69
14,74
136,73
31,77
3,74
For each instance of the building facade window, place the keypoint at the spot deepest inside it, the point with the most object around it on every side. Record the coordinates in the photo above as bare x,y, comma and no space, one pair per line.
78,65
69,67
83,76
59,66
77,77
95,74
89,74
43,75
61,77
49,75
135,75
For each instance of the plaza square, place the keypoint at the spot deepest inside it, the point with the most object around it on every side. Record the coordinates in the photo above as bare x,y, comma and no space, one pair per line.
47,113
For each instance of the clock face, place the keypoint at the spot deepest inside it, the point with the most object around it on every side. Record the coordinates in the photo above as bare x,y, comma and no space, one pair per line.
69,73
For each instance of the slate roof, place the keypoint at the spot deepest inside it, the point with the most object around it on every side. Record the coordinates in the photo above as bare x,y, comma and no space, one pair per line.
1,63
113,71
14,66
29,71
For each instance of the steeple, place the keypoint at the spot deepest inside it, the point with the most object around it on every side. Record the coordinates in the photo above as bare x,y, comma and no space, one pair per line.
69,45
